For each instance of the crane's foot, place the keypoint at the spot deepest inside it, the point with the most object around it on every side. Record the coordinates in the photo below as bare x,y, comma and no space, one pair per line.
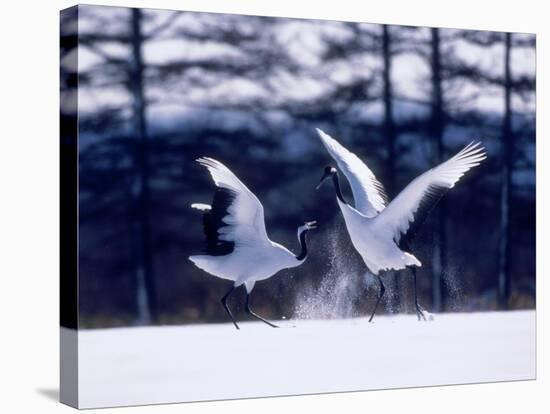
255,315
262,319
420,312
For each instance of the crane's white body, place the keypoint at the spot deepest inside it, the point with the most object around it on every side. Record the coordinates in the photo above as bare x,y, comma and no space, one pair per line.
374,228
374,243
254,256
249,263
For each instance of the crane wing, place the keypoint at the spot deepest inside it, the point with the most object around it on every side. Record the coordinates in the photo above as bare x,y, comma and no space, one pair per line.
237,214
368,192
408,210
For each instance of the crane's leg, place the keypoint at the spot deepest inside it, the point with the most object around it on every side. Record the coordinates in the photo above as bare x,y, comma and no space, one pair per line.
419,309
248,310
224,303
382,290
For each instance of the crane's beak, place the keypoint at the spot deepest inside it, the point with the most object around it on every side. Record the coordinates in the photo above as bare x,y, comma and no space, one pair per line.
311,225
323,178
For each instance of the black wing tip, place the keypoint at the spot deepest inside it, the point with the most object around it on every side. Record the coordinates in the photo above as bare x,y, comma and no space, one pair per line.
213,222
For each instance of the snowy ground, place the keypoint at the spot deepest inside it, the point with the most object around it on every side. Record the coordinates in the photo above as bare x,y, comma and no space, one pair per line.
132,366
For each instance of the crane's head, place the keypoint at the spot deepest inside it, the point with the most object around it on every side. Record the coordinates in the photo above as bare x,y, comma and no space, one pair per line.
328,172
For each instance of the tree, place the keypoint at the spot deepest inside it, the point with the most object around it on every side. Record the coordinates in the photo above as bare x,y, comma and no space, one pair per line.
506,179
146,291
445,68
436,131
522,86
128,72
389,135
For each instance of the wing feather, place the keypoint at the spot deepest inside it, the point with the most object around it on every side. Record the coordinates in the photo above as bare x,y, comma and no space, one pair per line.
407,211
368,192
244,221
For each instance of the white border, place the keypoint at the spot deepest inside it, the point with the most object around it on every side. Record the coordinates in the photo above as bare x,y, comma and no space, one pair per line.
29,215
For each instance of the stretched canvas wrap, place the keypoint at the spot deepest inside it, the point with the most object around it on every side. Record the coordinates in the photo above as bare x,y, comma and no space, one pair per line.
257,206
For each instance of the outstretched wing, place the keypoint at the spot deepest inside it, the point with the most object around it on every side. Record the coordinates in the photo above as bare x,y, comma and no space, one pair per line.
368,192
409,209
239,213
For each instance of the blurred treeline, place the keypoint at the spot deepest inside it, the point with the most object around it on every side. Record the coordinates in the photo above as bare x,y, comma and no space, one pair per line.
157,89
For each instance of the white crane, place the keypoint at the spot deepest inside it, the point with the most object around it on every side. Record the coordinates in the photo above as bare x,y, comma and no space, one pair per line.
237,245
381,233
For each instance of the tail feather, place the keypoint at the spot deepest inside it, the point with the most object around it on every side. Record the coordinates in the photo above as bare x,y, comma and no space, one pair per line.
201,206
412,260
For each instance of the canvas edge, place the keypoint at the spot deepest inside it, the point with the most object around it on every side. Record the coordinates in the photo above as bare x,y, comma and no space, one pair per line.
68,181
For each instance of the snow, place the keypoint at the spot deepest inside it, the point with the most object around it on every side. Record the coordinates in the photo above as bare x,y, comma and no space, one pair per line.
130,366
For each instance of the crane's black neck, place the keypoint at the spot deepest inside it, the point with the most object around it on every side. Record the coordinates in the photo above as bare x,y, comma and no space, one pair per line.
336,181
303,244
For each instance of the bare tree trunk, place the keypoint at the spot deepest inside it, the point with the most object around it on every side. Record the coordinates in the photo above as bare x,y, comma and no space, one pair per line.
439,258
506,178
389,123
146,292
390,137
